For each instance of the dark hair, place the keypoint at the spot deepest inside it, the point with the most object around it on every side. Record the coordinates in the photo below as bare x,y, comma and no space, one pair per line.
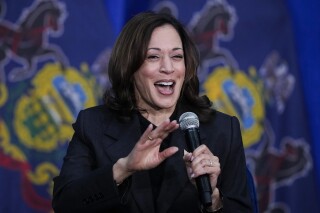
128,55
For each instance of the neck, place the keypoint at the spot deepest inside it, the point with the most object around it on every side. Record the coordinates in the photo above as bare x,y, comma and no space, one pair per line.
156,117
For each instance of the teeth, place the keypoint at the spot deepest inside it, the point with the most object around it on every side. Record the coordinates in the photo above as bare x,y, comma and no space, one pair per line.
165,83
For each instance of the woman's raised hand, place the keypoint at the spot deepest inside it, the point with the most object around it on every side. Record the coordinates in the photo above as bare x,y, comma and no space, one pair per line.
146,153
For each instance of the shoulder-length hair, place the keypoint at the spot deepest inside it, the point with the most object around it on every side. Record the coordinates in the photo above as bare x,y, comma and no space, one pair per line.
128,55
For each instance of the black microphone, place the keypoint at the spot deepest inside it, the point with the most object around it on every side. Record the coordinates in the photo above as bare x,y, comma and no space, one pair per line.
189,123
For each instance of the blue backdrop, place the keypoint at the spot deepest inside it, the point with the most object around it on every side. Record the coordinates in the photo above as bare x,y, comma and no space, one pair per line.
259,61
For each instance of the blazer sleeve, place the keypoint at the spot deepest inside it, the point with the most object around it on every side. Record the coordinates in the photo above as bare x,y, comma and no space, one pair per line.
233,179
81,186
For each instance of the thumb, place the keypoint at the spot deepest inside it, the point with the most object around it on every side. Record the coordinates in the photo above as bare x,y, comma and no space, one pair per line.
187,156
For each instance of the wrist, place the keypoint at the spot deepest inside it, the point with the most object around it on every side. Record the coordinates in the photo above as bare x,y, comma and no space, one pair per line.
120,172
217,204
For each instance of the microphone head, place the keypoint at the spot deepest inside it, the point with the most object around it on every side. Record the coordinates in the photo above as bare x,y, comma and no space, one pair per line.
188,120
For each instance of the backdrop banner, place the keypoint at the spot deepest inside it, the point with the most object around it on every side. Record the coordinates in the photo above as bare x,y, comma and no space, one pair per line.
53,63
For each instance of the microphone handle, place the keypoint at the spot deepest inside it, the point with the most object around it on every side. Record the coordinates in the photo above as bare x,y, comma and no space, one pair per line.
203,182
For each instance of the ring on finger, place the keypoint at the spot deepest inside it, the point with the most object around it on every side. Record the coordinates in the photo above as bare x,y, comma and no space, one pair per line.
210,163
150,138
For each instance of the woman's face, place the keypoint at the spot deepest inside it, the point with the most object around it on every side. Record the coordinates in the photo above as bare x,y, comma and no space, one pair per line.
159,80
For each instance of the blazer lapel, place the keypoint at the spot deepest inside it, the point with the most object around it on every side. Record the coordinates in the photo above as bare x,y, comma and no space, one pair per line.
120,137
120,140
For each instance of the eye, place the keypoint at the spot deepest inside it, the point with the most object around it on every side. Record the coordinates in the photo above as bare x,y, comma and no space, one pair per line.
177,57
152,57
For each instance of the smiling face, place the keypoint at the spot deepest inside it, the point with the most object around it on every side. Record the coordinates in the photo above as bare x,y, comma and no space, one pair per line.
158,82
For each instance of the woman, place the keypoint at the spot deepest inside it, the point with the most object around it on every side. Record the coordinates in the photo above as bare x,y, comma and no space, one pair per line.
130,155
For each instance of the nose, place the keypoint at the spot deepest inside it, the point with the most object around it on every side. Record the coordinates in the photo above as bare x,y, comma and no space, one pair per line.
166,65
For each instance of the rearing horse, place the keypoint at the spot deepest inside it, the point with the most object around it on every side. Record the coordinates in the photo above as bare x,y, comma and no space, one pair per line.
27,42
214,22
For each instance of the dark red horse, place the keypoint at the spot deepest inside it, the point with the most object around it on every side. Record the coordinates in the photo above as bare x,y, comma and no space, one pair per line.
212,24
27,42
276,167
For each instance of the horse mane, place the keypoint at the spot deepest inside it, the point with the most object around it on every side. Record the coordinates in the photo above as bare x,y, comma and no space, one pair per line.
201,21
38,9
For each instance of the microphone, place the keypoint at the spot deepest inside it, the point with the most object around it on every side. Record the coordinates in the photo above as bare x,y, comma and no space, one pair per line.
189,123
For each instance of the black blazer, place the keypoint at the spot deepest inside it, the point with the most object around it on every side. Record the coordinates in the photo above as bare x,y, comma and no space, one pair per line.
86,184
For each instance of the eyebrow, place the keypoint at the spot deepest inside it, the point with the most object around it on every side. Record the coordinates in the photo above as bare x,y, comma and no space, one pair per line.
159,49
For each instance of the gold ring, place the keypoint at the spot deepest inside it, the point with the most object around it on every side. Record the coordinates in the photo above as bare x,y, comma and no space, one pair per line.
150,138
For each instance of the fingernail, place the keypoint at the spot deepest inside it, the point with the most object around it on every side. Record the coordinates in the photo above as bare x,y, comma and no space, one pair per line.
191,158
192,175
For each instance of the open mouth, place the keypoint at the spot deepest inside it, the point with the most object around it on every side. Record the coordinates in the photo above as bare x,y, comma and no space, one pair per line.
165,87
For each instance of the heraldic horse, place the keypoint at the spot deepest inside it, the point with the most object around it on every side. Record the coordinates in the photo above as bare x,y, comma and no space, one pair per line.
27,41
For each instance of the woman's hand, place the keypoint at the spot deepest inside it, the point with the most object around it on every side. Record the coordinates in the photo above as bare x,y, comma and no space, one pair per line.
201,161
145,154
